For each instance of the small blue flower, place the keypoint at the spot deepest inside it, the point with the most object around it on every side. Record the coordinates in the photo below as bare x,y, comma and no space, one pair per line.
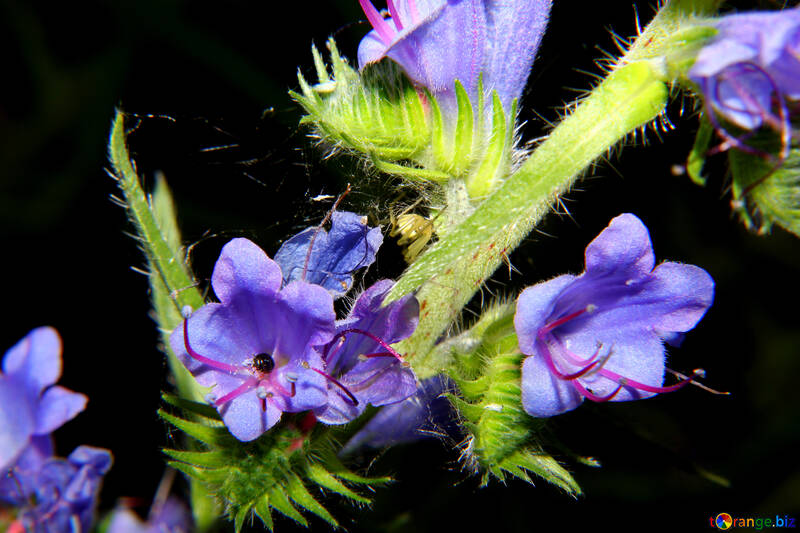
366,368
600,335
66,492
329,258
437,42
170,517
752,63
31,407
259,348
426,413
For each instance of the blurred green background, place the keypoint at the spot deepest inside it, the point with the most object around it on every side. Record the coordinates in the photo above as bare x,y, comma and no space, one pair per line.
206,83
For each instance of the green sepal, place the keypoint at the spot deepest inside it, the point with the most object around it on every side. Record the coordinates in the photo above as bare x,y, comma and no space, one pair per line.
503,440
766,191
697,157
496,161
276,472
401,129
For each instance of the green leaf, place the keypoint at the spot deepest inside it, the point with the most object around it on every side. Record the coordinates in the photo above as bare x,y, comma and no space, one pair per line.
766,192
697,157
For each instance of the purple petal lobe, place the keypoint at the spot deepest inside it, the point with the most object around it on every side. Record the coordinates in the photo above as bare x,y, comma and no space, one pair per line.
57,406
329,258
36,359
17,420
243,267
623,248
514,31
544,395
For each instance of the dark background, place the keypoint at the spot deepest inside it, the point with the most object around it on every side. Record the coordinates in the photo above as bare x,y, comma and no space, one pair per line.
200,74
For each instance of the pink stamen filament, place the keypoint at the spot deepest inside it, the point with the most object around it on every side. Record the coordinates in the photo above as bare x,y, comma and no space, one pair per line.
395,15
595,398
380,341
563,320
627,382
230,369
591,364
238,391
412,7
333,380
382,28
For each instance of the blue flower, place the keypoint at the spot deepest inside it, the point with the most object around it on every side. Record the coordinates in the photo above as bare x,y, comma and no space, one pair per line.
600,335
65,491
437,42
424,414
171,516
259,348
752,62
329,258
31,407
366,368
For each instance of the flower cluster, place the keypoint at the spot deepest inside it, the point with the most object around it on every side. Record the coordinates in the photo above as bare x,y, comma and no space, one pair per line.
600,335
750,67
477,42
272,346
53,494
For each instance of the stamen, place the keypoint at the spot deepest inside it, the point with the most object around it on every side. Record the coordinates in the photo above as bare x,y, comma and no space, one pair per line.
591,308
235,393
382,28
230,369
591,364
380,341
627,382
333,380
592,396
698,372
395,15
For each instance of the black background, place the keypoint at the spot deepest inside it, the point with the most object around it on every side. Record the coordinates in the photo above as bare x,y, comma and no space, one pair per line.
201,74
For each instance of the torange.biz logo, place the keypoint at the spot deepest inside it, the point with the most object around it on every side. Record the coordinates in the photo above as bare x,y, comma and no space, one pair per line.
725,521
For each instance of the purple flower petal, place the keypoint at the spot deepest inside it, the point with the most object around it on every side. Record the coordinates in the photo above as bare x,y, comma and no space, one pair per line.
17,420
36,359
244,268
460,40
544,395
329,258
600,335
57,406
514,31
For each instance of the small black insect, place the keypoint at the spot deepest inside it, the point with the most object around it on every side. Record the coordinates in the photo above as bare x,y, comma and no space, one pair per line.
263,362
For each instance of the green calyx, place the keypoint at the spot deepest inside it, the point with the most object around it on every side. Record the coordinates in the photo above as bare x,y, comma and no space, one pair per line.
403,130
276,472
503,440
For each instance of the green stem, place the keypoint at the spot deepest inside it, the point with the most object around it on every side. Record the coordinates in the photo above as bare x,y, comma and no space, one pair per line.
169,268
